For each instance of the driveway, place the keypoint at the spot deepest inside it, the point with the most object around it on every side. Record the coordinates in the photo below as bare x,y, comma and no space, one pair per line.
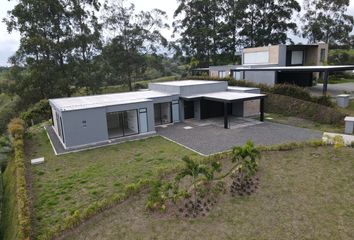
211,139
334,89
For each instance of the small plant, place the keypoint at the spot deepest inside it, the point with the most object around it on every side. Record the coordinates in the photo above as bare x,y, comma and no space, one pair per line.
338,142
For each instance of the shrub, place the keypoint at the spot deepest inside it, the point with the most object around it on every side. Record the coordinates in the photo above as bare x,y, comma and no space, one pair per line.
16,128
298,108
292,91
38,113
138,86
323,100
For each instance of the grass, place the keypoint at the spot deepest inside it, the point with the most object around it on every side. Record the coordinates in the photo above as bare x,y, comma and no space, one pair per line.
70,182
304,194
303,123
9,221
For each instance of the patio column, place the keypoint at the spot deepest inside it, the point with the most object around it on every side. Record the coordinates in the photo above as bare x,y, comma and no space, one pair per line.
325,82
226,116
262,110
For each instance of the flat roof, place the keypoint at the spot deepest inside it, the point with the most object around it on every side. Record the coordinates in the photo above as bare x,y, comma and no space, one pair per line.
300,68
226,96
236,88
185,83
104,100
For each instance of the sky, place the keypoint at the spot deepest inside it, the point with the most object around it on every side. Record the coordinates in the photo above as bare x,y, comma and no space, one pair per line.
10,42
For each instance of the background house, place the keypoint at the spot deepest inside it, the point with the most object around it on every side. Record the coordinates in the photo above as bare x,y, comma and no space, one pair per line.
276,56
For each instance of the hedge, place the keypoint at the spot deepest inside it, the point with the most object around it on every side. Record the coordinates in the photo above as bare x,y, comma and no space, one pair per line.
22,204
289,106
38,113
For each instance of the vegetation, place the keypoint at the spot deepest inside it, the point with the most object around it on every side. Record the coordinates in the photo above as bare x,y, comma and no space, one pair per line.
17,213
213,32
66,191
295,107
304,191
38,113
327,21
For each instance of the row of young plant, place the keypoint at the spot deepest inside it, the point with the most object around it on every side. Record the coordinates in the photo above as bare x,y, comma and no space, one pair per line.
16,129
196,188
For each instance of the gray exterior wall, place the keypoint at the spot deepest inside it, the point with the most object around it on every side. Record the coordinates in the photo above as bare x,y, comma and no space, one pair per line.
205,88
282,55
266,77
96,130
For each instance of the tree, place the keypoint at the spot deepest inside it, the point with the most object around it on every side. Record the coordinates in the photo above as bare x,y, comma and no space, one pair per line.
199,27
267,22
55,36
327,21
134,37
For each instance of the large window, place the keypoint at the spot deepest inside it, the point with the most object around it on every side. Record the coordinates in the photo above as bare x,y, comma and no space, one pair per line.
222,74
323,55
162,113
297,57
237,75
256,58
122,124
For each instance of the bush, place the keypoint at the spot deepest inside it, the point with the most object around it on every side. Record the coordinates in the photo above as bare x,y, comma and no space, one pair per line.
8,110
16,128
298,108
292,91
38,113
138,86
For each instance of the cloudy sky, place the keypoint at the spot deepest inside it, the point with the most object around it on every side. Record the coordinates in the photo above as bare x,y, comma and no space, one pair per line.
9,42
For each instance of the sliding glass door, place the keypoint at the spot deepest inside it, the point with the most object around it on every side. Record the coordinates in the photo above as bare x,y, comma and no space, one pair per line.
162,113
122,124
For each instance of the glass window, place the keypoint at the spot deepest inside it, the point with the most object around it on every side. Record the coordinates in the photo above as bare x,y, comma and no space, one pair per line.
323,55
222,74
237,75
297,57
122,124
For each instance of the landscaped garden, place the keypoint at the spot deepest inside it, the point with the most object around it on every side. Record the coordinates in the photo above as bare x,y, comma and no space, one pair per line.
304,193
66,185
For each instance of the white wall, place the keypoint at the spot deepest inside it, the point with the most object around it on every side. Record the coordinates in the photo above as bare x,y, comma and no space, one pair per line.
256,58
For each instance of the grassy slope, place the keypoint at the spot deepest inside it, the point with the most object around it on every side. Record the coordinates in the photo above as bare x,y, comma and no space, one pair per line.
70,182
304,194
9,224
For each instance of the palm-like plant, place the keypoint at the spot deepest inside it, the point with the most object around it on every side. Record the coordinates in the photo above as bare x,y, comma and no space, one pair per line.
195,170
246,156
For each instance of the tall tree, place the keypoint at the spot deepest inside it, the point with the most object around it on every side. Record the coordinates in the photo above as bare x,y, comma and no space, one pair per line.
265,22
199,22
327,21
134,36
53,33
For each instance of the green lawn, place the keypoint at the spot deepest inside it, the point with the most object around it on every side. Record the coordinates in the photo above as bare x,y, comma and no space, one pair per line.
303,123
304,194
70,182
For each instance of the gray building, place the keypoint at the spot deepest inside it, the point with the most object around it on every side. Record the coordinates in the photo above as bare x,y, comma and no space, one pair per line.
91,120
275,56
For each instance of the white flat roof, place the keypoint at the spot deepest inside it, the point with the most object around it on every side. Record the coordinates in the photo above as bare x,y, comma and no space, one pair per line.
227,96
104,100
242,88
187,83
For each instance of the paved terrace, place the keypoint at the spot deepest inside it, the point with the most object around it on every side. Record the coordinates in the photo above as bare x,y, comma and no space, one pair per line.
210,139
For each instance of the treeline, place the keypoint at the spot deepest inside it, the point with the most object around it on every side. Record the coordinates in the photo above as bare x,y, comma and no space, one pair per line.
66,47
212,32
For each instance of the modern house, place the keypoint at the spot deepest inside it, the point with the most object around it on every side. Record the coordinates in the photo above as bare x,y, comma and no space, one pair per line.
276,56
80,122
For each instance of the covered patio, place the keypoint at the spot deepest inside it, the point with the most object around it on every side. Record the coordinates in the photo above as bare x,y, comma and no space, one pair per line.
293,70
227,103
